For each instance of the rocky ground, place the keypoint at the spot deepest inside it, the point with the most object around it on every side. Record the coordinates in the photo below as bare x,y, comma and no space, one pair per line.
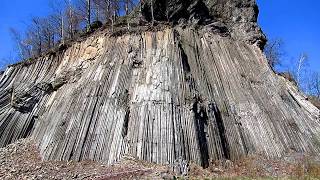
22,161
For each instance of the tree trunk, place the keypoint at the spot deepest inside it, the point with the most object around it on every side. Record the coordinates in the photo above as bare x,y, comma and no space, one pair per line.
302,59
97,14
70,22
127,7
112,23
88,15
152,13
62,30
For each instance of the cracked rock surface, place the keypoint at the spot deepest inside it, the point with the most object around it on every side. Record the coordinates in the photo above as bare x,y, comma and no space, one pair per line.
185,93
237,17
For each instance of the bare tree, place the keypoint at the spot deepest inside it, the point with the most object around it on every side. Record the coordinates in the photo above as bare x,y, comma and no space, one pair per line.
88,15
97,11
4,62
140,5
313,88
39,36
111,9
103,9
70,13
57,19
34,37
21,46
274,52
74,17
299,68
65,19
114,12
314,84
301,64
47,31
317,86
128,6
152,12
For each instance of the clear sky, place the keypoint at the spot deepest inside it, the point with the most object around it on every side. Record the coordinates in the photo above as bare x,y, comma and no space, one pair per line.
17,14
296,22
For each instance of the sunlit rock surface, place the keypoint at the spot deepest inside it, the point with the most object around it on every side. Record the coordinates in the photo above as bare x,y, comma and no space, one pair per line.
178,93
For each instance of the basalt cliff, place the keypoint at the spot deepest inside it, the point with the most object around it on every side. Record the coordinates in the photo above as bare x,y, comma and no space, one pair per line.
198,88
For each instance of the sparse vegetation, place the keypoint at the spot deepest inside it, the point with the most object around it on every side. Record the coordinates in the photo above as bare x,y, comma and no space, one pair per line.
315,101
96,25
288,76
292,166
44,37
25,162
273,51
67,21
299,71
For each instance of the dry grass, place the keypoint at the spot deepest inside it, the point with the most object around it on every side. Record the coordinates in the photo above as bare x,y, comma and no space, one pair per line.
257,167
308,168
22,161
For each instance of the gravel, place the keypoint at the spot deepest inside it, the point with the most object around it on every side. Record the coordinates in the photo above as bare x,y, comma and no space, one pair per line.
22,160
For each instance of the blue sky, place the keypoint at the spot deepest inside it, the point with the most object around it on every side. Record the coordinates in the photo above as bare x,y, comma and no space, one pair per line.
296,22
17,14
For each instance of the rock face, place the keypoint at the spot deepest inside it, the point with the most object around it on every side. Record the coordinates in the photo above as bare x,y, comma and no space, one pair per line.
179,93
238,18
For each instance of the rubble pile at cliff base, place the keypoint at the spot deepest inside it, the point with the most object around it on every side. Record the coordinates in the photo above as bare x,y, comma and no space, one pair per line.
22,160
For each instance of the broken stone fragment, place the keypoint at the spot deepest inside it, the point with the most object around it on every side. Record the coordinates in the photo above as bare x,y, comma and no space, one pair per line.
24,100
59,82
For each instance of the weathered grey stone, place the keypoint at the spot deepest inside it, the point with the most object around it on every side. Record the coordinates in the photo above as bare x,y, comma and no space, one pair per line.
188,92
238,16
24,100
195,95
181,167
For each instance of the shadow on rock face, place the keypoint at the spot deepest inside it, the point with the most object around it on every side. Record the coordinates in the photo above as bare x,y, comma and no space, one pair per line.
194,11
25,100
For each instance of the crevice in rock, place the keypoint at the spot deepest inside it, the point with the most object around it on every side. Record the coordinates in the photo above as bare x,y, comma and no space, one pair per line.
185,61
136,64
90,124
3,128
201,122
186,67
242,137
72,152
125,124
222,131
30,127
294,99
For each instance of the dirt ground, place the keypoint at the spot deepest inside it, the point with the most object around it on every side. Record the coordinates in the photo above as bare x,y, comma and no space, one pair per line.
22,160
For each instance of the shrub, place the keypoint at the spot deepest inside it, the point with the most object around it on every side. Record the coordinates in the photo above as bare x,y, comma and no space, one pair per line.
288,76
315,101
95,25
